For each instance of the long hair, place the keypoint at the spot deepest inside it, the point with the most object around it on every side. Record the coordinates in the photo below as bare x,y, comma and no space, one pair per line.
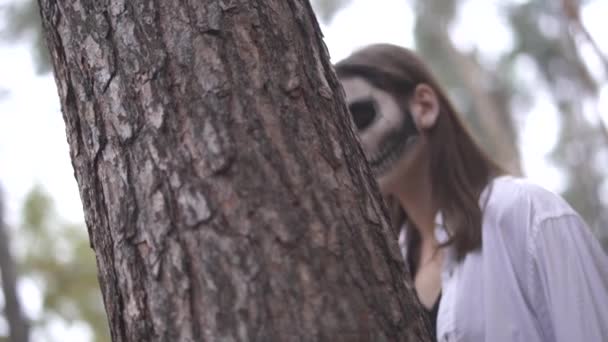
459,169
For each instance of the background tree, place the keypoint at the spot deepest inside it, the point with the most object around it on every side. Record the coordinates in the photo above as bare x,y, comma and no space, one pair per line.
493,95
224,191
17,323
56,257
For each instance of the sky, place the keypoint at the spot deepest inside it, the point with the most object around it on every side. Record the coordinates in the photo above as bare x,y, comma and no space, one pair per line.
33,147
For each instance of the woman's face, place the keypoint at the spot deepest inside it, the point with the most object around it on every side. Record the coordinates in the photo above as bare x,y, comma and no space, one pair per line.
388,134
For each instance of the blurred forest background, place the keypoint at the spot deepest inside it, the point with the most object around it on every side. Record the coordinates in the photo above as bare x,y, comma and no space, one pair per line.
542,60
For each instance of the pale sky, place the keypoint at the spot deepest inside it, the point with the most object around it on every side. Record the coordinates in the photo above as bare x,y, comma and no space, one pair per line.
33,147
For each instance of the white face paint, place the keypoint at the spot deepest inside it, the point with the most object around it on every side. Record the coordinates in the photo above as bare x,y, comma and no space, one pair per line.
384,129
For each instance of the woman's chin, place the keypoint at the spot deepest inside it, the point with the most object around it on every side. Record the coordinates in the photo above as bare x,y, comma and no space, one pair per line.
391,179
387,181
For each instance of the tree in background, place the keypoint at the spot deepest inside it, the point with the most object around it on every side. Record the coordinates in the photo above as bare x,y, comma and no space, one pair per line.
57,258
17,324
493,95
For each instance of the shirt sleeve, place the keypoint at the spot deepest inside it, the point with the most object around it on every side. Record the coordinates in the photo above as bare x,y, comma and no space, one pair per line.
571,271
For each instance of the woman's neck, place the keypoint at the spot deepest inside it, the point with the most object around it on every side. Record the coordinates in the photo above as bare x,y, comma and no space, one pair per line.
416,198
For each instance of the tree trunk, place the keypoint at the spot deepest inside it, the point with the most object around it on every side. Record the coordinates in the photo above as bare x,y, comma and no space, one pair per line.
17,323
224,191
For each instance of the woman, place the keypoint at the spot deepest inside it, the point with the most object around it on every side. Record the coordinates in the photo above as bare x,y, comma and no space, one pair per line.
493,258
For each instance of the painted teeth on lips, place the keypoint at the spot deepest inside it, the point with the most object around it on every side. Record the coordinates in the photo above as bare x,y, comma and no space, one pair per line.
389,155
389,150
383,161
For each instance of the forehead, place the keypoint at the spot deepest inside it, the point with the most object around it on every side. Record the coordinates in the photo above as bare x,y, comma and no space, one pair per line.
358,88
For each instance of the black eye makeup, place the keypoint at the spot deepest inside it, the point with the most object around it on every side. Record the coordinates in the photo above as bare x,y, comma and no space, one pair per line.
364,113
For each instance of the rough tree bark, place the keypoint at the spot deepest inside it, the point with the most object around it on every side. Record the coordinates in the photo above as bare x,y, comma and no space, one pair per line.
17,323
224,191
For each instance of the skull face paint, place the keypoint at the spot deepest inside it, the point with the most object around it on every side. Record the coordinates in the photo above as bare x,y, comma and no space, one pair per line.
386,130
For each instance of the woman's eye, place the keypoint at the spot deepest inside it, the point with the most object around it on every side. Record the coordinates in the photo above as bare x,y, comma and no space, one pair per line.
363,112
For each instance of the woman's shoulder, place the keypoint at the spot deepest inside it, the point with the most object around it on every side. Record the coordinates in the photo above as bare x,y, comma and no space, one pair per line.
508,197
517,210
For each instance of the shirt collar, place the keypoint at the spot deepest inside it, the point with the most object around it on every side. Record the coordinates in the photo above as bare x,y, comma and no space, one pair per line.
440,233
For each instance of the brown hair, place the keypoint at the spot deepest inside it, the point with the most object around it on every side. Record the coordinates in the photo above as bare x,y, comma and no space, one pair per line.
459,169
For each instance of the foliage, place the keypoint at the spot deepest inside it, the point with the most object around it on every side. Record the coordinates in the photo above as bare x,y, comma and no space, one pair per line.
57,257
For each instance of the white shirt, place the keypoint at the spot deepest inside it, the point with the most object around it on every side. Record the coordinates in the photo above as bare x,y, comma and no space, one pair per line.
540,274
